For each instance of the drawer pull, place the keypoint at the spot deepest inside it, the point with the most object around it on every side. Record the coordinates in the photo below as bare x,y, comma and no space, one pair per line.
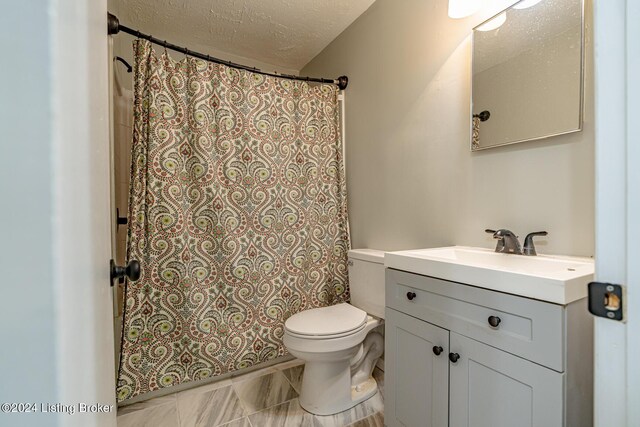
454,357
494,321
411,295
437,350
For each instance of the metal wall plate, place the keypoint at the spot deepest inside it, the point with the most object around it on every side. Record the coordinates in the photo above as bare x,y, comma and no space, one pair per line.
607,300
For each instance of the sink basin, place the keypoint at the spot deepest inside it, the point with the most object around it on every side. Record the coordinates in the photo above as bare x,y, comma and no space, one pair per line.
556,279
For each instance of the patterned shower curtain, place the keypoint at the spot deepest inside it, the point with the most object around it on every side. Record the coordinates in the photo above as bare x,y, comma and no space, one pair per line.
237,216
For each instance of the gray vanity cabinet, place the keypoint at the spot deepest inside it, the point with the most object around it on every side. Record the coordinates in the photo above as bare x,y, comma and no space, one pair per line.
531,367
490,387
420,378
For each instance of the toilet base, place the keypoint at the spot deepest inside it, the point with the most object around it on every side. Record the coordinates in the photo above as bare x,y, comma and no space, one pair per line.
333,365
326,388
363,391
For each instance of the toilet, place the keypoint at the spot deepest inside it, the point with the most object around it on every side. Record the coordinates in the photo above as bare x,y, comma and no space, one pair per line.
338,343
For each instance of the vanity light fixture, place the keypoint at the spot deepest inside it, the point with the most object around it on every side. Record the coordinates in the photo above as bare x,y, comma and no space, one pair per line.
463,8
493,23
525,4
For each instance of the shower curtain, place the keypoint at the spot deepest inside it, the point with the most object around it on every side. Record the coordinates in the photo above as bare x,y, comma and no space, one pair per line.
237,215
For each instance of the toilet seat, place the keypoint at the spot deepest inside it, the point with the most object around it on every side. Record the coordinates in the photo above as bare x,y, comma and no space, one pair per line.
323,323
327,337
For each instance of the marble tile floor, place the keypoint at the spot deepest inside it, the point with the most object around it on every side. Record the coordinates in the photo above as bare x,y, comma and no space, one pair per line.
263,398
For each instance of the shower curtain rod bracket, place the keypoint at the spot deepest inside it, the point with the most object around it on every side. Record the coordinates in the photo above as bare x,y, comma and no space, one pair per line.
343,81
114,27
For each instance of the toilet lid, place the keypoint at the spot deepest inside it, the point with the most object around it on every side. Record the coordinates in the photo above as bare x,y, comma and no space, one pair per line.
325,321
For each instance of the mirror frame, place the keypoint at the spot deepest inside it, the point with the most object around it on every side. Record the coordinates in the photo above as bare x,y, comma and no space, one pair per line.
582,84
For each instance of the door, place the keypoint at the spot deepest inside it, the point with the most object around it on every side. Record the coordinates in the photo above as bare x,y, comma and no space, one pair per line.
57,344
493,388
416,378
617,107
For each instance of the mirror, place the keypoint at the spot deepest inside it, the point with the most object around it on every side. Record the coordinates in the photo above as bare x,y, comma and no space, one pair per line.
527,73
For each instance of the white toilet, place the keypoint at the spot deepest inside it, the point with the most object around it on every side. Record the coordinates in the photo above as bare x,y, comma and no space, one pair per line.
337,342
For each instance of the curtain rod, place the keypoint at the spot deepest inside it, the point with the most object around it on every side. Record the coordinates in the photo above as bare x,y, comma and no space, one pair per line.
114,27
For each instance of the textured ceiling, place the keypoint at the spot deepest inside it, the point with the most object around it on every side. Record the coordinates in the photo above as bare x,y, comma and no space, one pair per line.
525,29
283,33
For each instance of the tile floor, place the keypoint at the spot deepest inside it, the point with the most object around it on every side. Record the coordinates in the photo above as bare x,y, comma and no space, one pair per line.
264,398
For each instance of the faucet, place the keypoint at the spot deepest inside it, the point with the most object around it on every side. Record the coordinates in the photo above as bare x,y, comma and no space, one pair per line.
508,242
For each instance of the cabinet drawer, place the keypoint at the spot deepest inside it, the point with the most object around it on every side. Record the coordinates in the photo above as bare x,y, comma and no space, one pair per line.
528,328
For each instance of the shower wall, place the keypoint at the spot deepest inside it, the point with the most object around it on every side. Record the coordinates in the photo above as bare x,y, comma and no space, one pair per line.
123,133
123,124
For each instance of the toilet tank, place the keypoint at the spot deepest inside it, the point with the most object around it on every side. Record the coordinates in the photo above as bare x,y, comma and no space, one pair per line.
366,280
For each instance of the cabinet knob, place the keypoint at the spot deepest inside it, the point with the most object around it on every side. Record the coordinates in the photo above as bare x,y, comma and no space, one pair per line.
494,321
437,350
454,357
411,295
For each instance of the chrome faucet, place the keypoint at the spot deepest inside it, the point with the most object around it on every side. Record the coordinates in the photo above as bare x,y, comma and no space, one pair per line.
508,242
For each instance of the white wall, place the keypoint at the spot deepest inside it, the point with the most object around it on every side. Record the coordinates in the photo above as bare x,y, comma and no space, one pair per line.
617,344
82,209
412,180
55,325
27,332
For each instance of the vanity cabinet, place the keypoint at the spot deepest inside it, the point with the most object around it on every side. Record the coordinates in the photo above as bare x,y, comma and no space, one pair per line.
505,360
421,377
490,387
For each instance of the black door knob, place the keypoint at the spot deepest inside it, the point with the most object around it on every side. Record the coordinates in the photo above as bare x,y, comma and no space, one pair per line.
437,350
454,357
411,295
494,321
132,271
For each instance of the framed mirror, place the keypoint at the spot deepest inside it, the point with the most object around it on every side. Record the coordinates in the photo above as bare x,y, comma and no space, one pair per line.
527,69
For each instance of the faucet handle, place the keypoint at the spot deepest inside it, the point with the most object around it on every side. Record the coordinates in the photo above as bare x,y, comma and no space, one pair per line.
529,248
490,231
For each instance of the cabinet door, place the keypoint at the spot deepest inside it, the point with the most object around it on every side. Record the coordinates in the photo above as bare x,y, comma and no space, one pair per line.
493,388
416,379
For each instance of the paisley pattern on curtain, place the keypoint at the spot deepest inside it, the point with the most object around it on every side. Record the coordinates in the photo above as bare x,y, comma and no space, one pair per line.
475,133
237,215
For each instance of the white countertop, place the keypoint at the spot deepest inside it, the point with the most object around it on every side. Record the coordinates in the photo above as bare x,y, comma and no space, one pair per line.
551,278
